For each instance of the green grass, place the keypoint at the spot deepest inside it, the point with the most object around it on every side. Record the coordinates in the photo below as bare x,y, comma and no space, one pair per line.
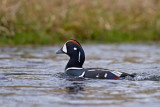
46,22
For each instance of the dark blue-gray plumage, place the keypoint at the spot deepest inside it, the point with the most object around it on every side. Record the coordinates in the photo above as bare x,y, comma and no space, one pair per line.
75,65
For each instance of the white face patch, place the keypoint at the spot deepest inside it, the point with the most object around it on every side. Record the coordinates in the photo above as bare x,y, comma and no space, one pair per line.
75,48
64,48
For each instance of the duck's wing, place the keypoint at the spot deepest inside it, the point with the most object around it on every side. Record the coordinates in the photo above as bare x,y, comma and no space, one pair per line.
104,73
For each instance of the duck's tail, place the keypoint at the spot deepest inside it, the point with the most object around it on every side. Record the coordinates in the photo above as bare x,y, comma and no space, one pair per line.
126,74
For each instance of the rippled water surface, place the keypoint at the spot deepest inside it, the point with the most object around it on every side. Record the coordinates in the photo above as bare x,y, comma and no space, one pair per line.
31,77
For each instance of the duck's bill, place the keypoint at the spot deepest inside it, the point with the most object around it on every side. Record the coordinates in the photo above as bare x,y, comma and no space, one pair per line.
59,51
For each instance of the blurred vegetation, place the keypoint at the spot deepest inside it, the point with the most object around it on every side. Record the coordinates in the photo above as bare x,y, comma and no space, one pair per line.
54,21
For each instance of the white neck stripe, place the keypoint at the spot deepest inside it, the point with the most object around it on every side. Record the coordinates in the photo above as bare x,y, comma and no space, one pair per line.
73,68
79,57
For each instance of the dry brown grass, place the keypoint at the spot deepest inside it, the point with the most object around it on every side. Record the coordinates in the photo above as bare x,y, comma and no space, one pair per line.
23,21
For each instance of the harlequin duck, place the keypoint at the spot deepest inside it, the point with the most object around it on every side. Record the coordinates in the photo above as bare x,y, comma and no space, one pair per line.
77,57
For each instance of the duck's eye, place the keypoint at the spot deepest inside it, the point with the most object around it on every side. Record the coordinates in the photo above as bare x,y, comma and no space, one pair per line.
75,48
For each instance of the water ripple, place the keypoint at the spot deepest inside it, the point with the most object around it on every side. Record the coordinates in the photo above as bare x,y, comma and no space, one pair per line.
33,76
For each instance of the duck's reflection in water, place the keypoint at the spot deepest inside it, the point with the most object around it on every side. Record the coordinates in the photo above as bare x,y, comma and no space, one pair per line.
76,86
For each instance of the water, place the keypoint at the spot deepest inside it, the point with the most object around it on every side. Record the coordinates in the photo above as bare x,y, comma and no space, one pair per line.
31,77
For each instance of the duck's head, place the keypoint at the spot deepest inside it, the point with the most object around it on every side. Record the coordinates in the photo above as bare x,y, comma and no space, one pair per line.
75,51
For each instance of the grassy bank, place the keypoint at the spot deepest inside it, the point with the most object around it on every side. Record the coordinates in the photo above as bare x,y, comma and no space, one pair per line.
46,22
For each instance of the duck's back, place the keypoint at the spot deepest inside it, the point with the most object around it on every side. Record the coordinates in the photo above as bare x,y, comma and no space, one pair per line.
102,73
98,73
